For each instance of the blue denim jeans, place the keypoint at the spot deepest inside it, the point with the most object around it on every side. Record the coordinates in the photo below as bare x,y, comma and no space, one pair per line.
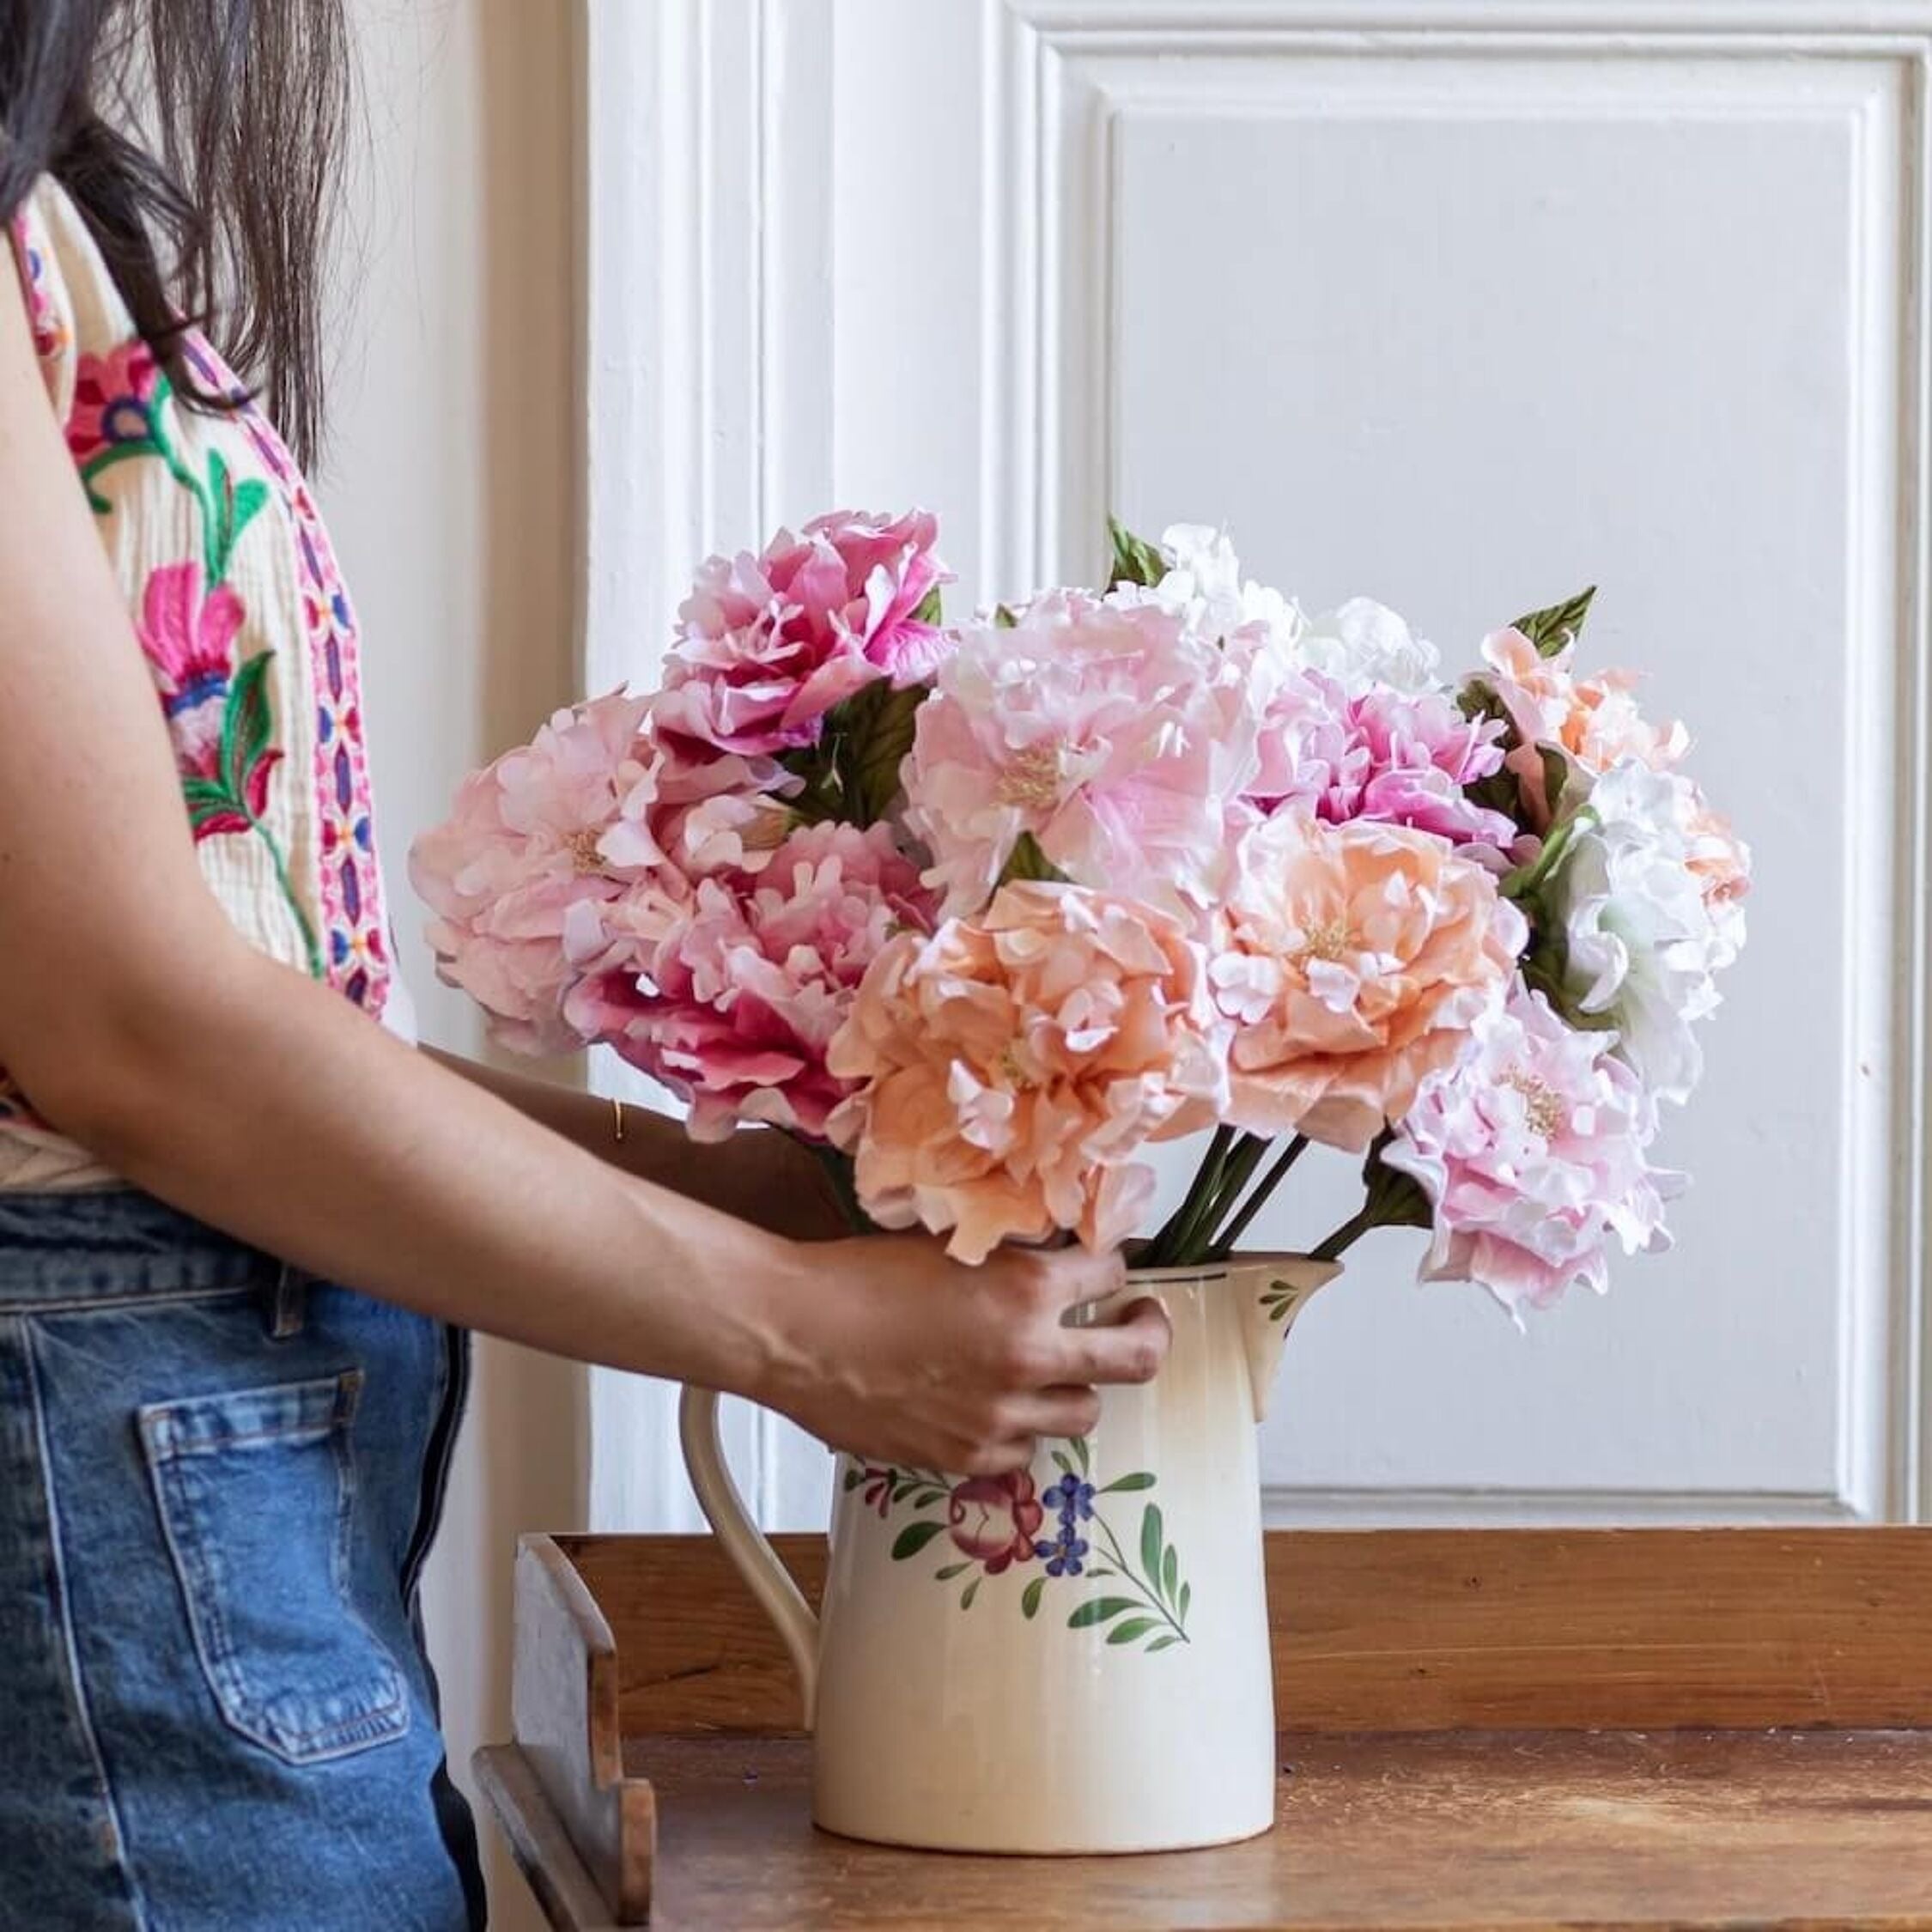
218,1482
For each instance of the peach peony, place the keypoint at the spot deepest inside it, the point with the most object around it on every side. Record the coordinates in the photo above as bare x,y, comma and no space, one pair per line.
1356,959
1015,1064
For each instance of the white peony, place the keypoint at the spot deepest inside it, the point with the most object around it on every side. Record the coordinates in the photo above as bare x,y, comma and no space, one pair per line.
1203,587
1644,939
1365,644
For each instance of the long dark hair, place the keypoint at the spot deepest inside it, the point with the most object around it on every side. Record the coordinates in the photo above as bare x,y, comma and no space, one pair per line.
199,139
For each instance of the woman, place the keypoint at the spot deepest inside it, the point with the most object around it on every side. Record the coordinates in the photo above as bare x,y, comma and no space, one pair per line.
223,1470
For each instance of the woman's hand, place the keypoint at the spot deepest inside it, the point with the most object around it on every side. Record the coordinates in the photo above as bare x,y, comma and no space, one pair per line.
885,1348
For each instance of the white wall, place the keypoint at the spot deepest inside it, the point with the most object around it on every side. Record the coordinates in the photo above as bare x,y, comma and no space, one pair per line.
450,489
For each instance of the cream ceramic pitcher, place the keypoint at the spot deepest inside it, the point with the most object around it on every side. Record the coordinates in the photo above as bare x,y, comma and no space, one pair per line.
1072,1658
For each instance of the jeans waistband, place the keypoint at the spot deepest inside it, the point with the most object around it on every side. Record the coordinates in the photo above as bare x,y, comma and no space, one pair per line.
116,1245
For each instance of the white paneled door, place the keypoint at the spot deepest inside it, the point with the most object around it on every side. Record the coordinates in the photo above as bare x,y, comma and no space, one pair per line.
1462,307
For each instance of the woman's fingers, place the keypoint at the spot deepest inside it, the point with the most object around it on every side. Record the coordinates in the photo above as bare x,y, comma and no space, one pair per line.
1129,1350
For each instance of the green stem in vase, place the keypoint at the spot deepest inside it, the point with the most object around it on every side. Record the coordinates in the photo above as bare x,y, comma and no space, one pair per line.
1236,1172
1162,1251
1225,1243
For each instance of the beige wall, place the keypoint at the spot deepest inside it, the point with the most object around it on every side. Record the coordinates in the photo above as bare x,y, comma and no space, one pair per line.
449,490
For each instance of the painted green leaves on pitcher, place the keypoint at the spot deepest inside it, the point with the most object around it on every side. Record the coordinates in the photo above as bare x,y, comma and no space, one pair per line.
1084,1536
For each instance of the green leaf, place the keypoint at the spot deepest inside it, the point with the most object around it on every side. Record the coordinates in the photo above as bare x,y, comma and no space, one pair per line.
1139,1480
1063,1462
1151,1542
1027,861
206,798
951,1570
1134,1626
1080,1447
246,725
1099,1610
971,1591
1005,617
1135,560
1554,627
932,608
874,732
1165,1643
1187,1597
1171,1573
853,1477
914,1538
1029,1598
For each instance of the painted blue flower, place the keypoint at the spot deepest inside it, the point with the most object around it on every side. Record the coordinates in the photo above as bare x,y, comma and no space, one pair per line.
1063,1554
1072,1498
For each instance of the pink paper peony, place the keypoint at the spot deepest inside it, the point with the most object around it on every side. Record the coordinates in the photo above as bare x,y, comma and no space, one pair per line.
1358,956
1013,1067
534,837
1106,730
1402,758
729,990
767,645
1531,1148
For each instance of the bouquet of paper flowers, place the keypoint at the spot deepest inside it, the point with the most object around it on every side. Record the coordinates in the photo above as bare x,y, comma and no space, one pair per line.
982,911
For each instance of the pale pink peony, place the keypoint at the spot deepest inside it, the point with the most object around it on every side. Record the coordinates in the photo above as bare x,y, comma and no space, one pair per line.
767,645
534,837
1016,1064
1531,1148
1403,758
1356,959
729,990
1106,730
1596,720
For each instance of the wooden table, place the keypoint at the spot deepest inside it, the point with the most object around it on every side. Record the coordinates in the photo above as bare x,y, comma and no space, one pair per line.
1682,1727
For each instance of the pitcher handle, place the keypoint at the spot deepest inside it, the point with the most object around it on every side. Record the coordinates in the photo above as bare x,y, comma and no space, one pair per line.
743,1543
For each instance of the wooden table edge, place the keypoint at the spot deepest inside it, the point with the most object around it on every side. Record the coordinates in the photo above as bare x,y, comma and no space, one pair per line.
564,1889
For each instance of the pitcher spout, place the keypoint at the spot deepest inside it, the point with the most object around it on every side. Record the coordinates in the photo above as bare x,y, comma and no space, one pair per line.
1271,1291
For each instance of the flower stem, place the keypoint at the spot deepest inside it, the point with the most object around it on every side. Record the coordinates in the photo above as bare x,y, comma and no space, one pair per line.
1224,1243
838,1171
1147,1590
1169,1245
1345,1237
316,970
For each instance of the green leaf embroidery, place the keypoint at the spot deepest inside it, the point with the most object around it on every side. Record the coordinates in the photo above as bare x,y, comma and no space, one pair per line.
1135,560
1027,861
1099,1610
1556,627
1029,1598
1150,1541
1134,1626
230,508
246,726
914,1538
1139,1480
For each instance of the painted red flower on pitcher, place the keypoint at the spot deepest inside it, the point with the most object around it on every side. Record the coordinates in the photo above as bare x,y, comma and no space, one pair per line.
994,1519
114,399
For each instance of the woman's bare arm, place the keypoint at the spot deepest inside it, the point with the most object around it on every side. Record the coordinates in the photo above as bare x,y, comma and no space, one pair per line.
137,1020
759,1174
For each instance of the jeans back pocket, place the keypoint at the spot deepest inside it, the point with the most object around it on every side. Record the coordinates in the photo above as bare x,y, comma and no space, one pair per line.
257,1492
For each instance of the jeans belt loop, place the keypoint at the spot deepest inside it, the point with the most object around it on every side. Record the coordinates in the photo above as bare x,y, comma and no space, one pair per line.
291,1303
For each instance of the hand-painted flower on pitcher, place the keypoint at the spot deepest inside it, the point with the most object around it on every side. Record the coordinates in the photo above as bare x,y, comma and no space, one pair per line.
996,1521
767,645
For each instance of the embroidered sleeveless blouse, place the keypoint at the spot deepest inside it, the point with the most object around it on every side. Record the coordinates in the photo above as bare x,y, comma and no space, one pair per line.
236,603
